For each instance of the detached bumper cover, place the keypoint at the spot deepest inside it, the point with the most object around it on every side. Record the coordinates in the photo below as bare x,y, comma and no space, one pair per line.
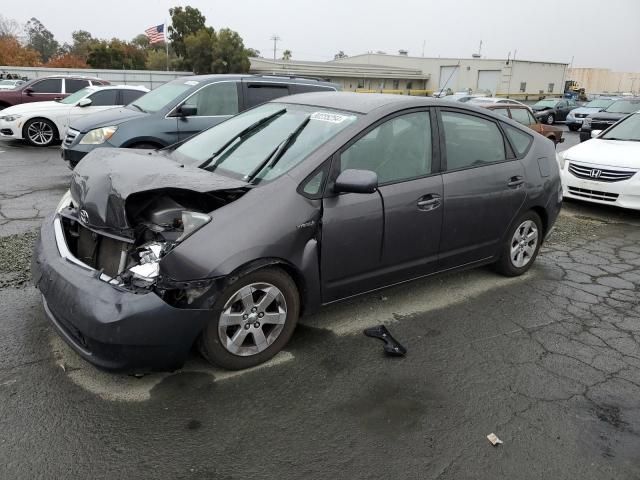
110,327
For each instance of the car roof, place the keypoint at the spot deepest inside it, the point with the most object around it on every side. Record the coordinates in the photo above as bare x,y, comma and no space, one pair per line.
119,87
272,78
495,105
356,102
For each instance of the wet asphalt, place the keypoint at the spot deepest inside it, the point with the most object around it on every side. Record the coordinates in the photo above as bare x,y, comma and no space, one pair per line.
549,362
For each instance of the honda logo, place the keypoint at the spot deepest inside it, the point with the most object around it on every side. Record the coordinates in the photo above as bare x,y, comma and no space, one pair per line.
595,173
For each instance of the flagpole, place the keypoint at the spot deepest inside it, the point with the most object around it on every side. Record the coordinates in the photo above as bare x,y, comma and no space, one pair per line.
166,40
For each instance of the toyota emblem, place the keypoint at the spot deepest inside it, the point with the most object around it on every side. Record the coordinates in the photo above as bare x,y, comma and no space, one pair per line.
595,173
84,216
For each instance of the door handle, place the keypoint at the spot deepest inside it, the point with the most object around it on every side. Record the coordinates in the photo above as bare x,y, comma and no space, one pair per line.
57,98
515,182
429,202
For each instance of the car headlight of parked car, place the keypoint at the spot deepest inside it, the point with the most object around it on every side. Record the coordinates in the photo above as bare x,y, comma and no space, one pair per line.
98,136
10,118
192,221
64,202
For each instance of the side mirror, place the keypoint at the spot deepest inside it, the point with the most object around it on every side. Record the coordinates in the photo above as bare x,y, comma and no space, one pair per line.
595,133
28,91
356,181
187,110
85,102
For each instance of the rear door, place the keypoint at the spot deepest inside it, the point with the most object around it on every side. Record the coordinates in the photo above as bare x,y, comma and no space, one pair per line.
45,89
373,240
483,185
214,103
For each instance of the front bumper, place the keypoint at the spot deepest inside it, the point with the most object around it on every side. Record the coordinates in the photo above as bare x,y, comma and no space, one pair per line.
74,153
624,194
109,326
10,130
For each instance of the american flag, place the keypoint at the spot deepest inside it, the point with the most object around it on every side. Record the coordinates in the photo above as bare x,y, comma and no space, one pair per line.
155,34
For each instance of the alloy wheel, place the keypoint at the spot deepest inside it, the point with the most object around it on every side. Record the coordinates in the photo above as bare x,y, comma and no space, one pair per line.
40,133
252,319
550,119
524,244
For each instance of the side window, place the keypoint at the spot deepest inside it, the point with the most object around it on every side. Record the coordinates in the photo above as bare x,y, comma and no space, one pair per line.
399,149
521,115
104,98
216,99
49,85
260,93
518,138
532,119
128,96
295,88
72,85
502,111
471,141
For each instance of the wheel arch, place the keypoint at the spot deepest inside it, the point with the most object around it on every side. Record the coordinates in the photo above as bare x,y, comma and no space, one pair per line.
140,140
56,130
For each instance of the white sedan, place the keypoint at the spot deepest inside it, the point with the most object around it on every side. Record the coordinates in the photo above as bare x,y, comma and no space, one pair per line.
606,168
42,123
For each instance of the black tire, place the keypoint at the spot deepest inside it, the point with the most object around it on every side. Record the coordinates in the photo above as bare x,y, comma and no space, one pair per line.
574,128
505,265
551,119
210,343
48,135
146,146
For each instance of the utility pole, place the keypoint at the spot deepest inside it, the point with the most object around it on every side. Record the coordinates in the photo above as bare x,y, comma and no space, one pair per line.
275,39
424,44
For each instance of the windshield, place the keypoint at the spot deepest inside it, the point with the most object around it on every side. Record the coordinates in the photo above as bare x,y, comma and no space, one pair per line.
546,103
265,131
159,98
624,106
627,129
599,103
75,97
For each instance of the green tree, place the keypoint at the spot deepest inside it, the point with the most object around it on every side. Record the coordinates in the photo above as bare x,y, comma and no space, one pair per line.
116,54
253,53
184,22
141,41
199,50
81,44
40,39
229,53
286,55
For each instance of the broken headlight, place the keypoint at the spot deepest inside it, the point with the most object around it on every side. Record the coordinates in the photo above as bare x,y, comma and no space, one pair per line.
98,136
64,202
146,272
192,221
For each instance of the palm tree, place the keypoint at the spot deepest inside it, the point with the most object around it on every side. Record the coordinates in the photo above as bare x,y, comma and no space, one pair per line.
286,55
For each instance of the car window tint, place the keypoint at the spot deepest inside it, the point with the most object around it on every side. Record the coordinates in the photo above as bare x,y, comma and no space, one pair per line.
104,98
216,99
72,85
501,111
49,85
471,141
519,139
399,149
128,96
261,93
521,115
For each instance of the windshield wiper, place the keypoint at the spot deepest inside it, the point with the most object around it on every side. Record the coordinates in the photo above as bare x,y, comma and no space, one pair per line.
278,152
138,107
242,133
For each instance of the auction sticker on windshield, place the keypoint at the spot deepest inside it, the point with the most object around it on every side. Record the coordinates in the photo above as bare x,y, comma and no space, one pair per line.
191,82
329,117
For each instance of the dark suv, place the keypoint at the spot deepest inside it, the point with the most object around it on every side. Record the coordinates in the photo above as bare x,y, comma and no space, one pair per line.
604,119
55,87
177,110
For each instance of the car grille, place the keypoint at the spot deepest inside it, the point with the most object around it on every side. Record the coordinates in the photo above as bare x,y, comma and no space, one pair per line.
600,174
593,194
71,136
581,115
601,124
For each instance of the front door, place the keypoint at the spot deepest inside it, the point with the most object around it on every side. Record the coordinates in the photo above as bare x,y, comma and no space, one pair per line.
373,240
483,188
214,104
42,90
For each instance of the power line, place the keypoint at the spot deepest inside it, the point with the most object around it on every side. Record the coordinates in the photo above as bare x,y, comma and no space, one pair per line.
275,39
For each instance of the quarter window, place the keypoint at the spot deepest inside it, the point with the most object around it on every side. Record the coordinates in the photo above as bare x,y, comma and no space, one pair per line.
399,149
50,85
471,141
519,139
216,99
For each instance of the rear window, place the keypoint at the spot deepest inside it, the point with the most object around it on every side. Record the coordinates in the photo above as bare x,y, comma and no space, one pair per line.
72,85
519,139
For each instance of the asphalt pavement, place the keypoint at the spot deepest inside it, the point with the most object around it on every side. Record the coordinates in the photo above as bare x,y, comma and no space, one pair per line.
549,362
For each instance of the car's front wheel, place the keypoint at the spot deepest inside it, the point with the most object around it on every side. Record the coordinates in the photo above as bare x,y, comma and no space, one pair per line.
522,245
574,128
40,132
252,320
551,119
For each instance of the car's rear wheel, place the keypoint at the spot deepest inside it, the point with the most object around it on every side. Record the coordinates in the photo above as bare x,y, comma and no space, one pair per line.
551,119
253,319
522,245
40,132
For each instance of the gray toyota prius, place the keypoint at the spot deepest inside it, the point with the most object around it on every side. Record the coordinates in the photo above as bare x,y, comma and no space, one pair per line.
225,240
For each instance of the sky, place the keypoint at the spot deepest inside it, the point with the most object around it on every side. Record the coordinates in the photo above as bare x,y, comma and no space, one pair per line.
591,32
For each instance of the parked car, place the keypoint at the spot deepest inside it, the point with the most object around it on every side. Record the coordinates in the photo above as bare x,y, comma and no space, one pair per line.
177,110
484,101
10,84
605,169
150,252
55,87
43,123
577,115
522,114
609,116
553,109
463,97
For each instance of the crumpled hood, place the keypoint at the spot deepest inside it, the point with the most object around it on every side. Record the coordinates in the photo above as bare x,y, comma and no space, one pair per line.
113,116
540,108
104,179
